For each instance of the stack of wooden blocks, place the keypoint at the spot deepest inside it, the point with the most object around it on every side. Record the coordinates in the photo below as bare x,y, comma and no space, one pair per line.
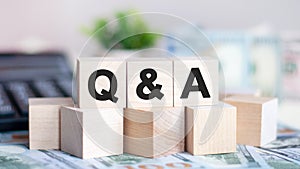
149,107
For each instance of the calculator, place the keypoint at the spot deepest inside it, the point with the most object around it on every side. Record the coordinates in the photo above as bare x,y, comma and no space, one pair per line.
23,76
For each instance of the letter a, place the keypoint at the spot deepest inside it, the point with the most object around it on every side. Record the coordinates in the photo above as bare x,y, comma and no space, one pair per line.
195,73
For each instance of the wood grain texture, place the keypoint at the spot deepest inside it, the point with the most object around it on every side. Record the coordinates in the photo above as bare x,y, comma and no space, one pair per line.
164,69
209,69
256,119
210,129
154,133
44,128
91,133
85,67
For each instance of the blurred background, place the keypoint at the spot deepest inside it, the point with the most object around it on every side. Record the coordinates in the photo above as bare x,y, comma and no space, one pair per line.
257,42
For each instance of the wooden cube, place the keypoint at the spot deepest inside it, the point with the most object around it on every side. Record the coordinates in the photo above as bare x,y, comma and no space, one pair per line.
44,127
188,68
154,133
210,129
91,133
95,72
256,119
163,76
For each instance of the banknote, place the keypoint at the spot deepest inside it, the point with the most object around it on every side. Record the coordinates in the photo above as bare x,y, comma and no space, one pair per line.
18,156
12,160
14,137
175,162
124,159
277,162
51,159
289,154
245,157
283,143
136,162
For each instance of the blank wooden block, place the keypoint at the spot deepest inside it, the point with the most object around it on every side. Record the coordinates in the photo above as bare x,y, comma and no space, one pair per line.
163,68
210,129
91,133
154,133
208,67
256,119
44,128
85,67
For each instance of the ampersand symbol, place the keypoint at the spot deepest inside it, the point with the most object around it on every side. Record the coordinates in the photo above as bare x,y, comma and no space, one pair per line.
148,82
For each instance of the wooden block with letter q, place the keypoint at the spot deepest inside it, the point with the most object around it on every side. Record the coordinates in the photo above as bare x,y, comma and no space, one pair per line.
149,83
154,133
91,133
101,82
256,119
196,81
210,129
44,127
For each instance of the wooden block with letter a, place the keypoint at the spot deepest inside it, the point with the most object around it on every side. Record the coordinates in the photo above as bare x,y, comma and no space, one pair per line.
256,119
196,81
44,128
210,129
149,83
154,133
100,82
91,133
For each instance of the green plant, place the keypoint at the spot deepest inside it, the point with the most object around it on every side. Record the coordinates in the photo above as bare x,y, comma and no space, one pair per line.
128,32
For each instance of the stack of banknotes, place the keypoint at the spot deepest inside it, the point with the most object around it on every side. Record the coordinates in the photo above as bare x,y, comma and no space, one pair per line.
284,153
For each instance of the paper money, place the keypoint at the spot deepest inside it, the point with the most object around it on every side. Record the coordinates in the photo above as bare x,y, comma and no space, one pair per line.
286,138
277,162
46,159
135,162
14,137
11,160
283,143
24,158
19,156
124,159
57,159
289,154
245,157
